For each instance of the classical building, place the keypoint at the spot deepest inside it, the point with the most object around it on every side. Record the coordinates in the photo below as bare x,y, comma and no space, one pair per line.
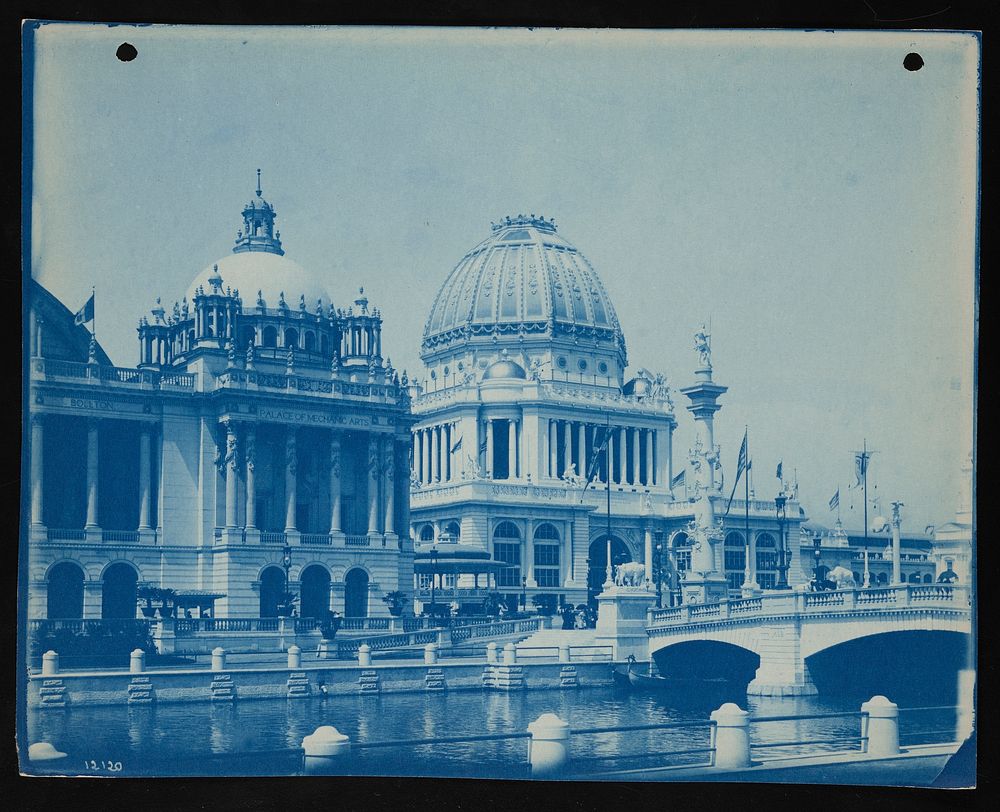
262,436
526,377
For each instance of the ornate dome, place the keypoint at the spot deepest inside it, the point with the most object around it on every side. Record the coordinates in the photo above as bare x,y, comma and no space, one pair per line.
522,281
504,369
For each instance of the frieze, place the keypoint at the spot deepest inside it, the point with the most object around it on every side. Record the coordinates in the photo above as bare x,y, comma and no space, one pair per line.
314,418
100,403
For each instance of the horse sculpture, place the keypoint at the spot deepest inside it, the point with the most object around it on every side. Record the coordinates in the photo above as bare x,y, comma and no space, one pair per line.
631,574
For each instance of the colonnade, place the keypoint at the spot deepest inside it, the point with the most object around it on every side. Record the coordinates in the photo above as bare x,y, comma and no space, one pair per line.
630,458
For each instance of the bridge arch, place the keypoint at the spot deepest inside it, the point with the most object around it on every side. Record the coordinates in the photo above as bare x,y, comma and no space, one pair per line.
708,659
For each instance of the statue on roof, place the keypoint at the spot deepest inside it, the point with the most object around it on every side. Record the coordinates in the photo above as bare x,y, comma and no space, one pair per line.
703,346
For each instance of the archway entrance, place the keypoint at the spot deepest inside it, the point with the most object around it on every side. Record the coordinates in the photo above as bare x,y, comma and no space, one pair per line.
597,569
65,593
118,599
315,600
272,584
356,593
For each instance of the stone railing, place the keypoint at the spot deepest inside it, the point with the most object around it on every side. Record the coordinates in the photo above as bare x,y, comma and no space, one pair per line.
788,602
142,378
129,536
315,538
65,534
357,541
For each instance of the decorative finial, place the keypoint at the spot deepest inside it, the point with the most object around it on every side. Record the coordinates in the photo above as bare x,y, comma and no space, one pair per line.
302,302
258,183
260,299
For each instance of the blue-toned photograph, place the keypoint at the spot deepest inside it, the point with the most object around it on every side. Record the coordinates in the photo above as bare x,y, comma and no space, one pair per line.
540,404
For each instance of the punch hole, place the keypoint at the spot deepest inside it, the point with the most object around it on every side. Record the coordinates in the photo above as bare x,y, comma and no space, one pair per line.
913,61
126,52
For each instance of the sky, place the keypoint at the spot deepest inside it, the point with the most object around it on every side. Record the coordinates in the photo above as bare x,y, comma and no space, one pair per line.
801,192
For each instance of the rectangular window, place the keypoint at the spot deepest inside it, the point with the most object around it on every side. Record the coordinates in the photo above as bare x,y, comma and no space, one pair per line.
766,580
424,580
510,554
547,576
546,555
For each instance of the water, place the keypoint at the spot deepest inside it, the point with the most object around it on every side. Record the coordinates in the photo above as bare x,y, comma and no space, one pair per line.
227,739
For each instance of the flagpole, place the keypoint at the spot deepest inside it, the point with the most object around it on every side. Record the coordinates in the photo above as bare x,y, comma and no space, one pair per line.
608,452
864,475
746,504
93,295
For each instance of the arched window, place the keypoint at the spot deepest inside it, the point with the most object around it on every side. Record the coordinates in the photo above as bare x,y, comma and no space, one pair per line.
767,561
883,579
427,532
914,578
454,531
272,584
547,555
291,337
310,340
356,593
735,559
315,598
682,552
269,337
927,578
507,548
65,591
118,596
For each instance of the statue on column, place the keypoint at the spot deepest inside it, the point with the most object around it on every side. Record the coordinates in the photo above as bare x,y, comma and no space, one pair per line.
703,346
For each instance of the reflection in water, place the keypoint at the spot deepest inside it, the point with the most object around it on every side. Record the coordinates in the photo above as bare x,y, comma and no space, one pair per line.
180,739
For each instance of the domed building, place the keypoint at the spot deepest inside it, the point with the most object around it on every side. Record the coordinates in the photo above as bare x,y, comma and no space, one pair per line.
262,439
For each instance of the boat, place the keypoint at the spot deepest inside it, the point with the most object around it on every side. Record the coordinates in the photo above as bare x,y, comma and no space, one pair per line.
630,678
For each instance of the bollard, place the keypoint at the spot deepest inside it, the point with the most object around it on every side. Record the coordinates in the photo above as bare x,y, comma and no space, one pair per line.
218,659
43,751
509,654
294,657
548,748
491,653
732,736
364,655
137,662
324,750
564,652
883,726
430,654
50,664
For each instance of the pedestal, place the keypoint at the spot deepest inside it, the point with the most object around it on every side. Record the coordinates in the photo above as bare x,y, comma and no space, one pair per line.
621,620
164,636
709,588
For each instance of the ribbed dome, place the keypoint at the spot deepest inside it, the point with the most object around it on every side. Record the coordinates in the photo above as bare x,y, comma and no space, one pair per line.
504,369
523,280
269,273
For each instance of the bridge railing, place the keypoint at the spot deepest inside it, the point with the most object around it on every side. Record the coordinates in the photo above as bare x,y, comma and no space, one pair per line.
818,603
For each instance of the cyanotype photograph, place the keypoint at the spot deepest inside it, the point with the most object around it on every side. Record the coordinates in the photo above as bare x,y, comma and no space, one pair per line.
535,404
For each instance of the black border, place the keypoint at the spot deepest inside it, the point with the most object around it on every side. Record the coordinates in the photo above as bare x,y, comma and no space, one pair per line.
371,793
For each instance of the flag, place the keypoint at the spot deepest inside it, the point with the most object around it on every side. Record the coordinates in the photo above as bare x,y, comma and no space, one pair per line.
742,464
835,500
595,459
778,472
457,446
85,313
860,467
679,480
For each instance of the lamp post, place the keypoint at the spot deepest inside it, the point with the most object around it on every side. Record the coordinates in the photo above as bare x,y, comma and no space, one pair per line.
658,567
524,593
817,554
286,562
434,557
590,589
779,509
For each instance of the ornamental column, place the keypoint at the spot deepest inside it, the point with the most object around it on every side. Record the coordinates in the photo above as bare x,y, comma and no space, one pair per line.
145,489
425,453
649,458
37,470
291,468
635,480
250,456
373,483
648,553
553,447
389,481
622,456
897,575
489,448
335,482
92,472
435,453
511,449
581,435
231,465
567,459
529,554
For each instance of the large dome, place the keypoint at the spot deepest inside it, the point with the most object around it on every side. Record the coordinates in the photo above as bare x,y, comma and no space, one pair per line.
523,280
271,274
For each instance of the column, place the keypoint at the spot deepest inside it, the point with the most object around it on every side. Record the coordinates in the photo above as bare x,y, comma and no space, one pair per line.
648,553
511,449
446,453
435,452
635,457
250,455
37,470
417,457
373,478
92,441
291,465
622,456
335,482
553,447
389,484
231,467
581,435
568,447
145,478
529,553
649,459
425,447
595,441
489,448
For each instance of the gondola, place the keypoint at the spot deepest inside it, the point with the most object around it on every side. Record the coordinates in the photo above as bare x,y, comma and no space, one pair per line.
630,678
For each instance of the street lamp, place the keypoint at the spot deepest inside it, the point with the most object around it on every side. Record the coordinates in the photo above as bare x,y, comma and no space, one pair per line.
817,553
658,567
286,562
434,558
590,588
779,509
524,594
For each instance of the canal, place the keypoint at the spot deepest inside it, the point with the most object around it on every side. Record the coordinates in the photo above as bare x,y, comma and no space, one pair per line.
259,737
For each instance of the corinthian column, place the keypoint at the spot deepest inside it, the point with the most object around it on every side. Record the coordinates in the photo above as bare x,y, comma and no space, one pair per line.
335,482
620,442
373,477
581,434
435,454
250,453
649,458
635,457
511,449
553,447
145,489
92,472
231,468
389,482
489,449
291,467
37,470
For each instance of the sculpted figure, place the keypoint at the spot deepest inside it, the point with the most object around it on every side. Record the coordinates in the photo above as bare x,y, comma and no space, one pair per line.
703,346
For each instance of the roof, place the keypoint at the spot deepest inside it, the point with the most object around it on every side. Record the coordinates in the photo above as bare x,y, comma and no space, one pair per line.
62,338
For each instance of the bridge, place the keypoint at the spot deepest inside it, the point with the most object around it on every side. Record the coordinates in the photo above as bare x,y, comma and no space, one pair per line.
784,633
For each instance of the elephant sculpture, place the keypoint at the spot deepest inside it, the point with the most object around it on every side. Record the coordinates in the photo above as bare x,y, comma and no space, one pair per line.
842,577
631,574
